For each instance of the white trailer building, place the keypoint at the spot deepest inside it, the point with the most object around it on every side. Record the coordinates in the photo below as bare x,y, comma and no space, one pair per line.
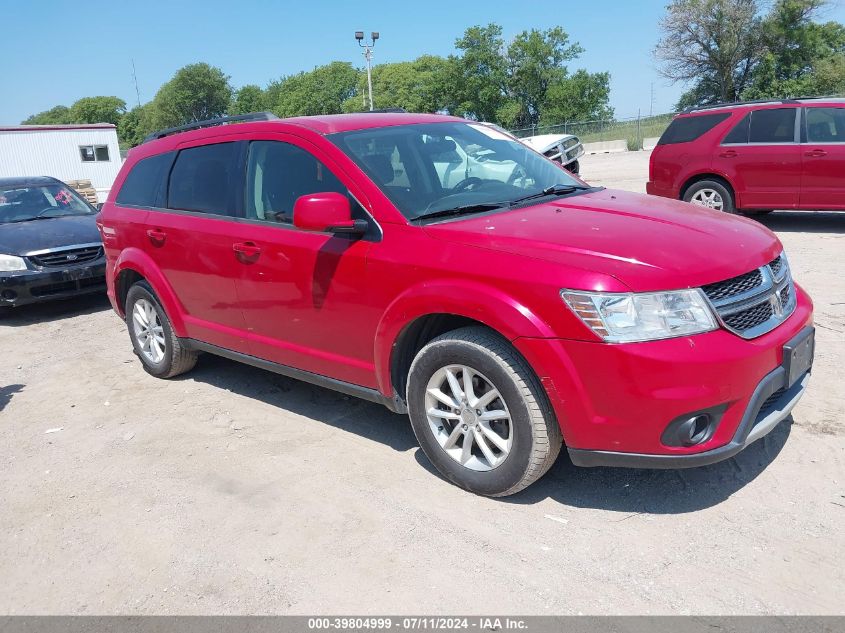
67,152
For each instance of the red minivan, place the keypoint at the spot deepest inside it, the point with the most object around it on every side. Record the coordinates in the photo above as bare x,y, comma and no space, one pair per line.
443,269
754,157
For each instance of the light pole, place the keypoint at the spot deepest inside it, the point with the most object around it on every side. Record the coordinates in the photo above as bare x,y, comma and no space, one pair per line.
368,55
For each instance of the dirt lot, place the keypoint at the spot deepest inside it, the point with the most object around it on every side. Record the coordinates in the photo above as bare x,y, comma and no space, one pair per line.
232,490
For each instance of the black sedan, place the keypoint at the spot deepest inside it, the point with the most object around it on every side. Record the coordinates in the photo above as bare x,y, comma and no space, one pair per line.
49,244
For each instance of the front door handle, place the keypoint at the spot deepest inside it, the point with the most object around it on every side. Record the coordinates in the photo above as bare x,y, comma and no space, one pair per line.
815,153
247,250
157,236
728,154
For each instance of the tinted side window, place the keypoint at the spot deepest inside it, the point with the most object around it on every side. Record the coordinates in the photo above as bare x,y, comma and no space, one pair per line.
739,133
772,126
144,184
279,173
826,125
689,128
204,179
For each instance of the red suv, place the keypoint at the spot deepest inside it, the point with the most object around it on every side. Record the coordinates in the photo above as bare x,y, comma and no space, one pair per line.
754,157
506,310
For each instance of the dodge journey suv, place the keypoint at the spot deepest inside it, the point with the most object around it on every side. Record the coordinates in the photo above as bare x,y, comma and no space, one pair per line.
509,312
754,157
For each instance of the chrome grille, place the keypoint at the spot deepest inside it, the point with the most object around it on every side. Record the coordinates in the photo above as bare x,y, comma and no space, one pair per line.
755,302
752,317
734,286
63,257
776,265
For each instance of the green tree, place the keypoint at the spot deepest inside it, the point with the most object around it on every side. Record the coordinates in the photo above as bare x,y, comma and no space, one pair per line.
196,92
135,125
522,84
479,74
712,44
249,98
319,91
54,116
98,110
536,61
796,47
582,96
417,86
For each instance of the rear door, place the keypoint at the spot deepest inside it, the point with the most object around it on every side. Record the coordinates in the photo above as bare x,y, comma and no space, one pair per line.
823,178
761,157
191,239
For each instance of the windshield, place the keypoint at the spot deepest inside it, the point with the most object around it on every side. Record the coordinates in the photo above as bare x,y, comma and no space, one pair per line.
25,203
434,167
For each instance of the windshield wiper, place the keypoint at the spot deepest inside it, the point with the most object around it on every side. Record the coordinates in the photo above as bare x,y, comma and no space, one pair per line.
36,217
462,210
554,190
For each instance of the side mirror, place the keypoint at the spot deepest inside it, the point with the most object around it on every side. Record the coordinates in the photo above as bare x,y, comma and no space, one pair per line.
327,212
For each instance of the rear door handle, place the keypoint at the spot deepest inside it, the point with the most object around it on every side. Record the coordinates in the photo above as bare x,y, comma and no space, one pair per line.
728,154
815,153
248,250
157,236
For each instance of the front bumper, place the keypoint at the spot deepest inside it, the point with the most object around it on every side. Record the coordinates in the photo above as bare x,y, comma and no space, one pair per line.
771,403
614,401
31,286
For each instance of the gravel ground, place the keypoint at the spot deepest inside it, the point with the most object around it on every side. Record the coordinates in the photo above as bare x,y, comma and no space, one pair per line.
232,490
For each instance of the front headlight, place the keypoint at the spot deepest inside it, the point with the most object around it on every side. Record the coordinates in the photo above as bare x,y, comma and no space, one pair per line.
9,263
630,317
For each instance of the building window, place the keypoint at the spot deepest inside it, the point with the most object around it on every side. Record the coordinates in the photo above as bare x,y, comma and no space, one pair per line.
94,153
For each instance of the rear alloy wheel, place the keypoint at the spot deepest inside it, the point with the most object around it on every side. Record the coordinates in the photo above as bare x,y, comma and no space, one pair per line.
480,414
710,194
156,345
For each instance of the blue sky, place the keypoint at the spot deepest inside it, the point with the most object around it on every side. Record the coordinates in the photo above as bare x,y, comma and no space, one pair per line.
54,52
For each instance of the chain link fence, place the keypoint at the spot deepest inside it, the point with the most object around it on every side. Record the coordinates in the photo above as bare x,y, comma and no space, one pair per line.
633,129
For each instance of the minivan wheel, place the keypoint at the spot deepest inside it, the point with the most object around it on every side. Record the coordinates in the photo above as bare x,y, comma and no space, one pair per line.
159,349
480,414
711,194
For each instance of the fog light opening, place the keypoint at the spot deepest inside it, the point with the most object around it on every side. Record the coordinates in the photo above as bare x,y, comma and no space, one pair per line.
9,295
696,429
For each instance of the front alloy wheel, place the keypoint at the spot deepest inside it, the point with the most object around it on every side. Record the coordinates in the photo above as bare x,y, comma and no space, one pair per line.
480,414
468,417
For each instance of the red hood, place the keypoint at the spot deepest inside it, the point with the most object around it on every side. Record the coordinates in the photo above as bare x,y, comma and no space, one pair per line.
646,242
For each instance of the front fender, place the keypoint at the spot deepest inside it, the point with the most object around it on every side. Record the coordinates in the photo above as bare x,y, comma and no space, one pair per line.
488,305
137,260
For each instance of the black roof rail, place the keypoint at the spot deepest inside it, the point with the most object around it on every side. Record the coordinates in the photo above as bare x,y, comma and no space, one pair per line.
223,120
728,104
387,111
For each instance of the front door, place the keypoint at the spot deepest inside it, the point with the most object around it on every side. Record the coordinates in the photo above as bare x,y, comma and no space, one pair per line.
305,295
823,177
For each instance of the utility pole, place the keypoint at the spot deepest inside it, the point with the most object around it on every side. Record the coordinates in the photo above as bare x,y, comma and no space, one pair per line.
135,79
651,103
368,55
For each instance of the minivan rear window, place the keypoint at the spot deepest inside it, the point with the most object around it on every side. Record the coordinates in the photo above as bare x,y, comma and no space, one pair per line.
143,185
204,179
689,128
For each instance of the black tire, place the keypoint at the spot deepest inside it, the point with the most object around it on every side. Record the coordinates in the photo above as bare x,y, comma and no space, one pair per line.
574,167
536,435
176,359
713,185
